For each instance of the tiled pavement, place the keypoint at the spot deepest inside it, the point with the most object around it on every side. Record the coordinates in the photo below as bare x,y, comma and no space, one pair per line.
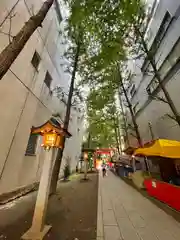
123,213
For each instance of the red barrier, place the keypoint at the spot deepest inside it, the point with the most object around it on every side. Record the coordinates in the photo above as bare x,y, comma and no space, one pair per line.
167,193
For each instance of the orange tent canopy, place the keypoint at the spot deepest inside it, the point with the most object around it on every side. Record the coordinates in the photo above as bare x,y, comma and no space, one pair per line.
161,147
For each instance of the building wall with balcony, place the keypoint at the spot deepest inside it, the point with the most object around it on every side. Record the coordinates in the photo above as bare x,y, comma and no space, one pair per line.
26,95
152,115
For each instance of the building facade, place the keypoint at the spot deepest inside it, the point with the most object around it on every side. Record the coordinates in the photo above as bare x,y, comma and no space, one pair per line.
27,95
153,116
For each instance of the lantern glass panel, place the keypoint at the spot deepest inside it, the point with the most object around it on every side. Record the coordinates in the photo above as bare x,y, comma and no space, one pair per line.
49,139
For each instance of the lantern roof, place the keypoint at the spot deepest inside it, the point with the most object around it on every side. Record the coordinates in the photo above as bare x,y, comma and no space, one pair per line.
52,125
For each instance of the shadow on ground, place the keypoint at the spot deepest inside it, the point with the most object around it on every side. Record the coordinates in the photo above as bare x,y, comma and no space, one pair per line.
72,212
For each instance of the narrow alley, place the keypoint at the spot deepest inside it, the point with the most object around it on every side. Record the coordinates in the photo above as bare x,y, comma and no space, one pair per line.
123,213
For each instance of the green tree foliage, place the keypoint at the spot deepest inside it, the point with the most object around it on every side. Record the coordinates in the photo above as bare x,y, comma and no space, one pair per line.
103,119
105,26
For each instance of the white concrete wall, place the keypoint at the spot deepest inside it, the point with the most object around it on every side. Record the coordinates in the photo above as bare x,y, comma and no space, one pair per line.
155,111
24,98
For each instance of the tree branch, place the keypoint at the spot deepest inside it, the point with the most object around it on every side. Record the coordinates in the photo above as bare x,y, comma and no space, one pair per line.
12,50
134,135
10,26
7,34
157,98
131,127
170,116
12,9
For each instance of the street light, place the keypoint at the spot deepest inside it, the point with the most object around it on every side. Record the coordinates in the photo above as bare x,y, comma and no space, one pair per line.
52,134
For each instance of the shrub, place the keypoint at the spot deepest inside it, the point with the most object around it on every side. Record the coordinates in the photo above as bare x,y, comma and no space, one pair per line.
67,172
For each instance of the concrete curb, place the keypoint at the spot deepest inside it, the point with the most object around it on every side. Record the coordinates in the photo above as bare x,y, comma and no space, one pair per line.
17,193
100,230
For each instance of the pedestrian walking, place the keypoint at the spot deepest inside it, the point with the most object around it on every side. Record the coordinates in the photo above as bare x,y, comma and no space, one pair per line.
104,171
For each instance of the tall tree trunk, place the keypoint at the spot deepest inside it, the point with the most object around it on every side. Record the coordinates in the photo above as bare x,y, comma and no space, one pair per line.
157,75
136,128
116,134
124,119
10,53
117,141
89,140
120,141
58,160
89,146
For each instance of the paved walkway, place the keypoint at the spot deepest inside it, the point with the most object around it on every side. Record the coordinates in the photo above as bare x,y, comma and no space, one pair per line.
123,213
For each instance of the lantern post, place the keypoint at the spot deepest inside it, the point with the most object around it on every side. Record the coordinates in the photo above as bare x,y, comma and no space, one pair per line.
52,137
85,165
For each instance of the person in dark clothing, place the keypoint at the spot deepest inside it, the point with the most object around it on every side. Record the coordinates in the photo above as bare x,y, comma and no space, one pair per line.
104,171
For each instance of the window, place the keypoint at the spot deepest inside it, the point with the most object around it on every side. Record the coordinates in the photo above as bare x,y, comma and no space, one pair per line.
32,145
48,80
167,67
152,86
162,30
36,60
175,53
171,60
167,20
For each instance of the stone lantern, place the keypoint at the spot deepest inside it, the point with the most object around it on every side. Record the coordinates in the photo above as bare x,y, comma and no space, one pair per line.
52,133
